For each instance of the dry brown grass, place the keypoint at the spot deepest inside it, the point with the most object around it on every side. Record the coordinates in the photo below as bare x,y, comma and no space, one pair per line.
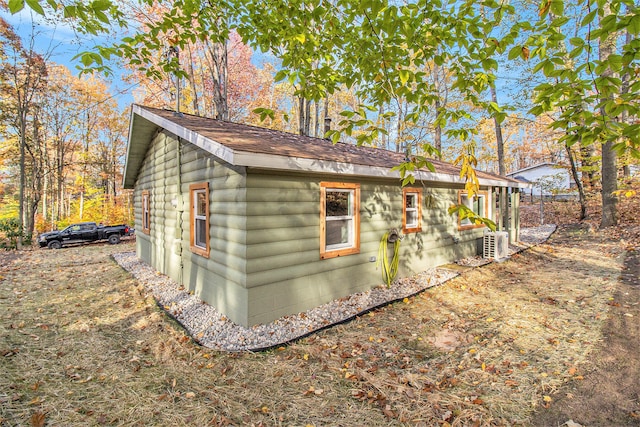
82,344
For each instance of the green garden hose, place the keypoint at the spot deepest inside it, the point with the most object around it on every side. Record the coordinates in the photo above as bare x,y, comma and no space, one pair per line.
389,269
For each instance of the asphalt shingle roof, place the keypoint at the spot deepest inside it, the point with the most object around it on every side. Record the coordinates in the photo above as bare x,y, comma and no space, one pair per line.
241,138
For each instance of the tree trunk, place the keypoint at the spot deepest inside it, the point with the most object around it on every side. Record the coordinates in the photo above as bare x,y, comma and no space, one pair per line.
437,137
499,140
439,104
23,177
218,69
192,83
402,146
626,170
589,168
307,118
609,169
576,179
301,111
304,119
609,186
60,182
316,131
325,113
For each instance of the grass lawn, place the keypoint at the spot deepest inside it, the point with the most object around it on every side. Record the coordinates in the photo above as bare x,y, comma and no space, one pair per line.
82,343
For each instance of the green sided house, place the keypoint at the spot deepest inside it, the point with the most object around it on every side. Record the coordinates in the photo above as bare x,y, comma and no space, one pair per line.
262,224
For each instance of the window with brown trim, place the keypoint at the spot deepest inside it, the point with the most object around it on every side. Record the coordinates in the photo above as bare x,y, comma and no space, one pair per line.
339,219
411,210
146,212
199,222
479,204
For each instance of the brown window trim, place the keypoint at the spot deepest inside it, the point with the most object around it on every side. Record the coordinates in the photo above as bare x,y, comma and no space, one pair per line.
406,191
193,188
324,253
146,208
486,210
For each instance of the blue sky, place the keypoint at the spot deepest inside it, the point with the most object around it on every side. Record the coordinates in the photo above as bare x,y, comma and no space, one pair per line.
60,43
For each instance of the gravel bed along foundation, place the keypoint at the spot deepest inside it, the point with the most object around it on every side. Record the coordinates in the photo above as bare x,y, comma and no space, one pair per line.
212,329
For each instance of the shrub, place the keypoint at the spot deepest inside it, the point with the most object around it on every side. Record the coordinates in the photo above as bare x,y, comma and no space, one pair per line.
10,232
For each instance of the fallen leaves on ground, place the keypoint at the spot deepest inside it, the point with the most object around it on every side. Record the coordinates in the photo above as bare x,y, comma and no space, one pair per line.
488,348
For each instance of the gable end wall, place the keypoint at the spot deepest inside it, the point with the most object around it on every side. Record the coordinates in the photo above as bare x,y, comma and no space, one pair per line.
220,279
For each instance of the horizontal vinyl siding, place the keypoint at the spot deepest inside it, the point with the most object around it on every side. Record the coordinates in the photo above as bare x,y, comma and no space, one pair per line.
226,213
436,243
264,234
159,175
274,240
219,280
285,274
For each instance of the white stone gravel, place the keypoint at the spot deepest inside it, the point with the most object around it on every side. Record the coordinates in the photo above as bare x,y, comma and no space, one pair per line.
213,330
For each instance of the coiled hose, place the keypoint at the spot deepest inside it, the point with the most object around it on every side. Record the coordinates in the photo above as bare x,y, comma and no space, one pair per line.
389,269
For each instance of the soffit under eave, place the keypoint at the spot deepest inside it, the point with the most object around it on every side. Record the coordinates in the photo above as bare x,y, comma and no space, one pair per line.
140,136
292,165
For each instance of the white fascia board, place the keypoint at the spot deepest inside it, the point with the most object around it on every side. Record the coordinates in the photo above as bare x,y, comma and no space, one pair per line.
131,117
299,164
269,161
498,183
215,148
126,158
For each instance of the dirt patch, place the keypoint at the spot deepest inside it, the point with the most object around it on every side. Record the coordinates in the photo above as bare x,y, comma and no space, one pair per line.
81,343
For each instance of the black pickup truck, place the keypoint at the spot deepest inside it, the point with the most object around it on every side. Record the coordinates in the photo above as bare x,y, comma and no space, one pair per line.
83,232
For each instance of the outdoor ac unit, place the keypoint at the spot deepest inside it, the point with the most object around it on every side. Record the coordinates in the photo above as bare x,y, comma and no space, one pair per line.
496,244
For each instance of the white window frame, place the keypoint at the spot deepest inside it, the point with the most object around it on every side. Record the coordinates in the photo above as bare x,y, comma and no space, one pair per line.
417,226
352,245
146,212
483,199
197,247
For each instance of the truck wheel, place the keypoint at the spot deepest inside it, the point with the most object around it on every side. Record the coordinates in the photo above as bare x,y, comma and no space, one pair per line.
54,244
114,239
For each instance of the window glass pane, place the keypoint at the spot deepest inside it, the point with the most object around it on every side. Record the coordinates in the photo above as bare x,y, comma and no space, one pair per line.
478,205
339,216
412,218
410,201
145,211
338,232
201,233
464,200
338,203
201,203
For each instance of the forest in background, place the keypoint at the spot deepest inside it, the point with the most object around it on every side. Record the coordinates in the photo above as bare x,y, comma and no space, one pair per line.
64,136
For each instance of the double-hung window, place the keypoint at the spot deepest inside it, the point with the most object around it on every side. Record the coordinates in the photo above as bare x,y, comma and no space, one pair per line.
411,210
339,219
478,204
146,212
199,227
